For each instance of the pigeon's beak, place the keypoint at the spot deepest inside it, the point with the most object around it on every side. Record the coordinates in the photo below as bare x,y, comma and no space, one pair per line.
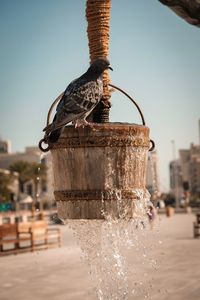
110,68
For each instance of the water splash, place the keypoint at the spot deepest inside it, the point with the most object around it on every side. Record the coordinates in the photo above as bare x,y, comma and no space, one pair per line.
37,204
106,244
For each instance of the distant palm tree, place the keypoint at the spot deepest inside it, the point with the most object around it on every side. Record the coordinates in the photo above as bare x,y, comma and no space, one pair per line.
23,169
5,181
30,171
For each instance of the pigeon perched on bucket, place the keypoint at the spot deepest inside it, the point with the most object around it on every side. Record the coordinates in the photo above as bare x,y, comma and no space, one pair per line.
79,99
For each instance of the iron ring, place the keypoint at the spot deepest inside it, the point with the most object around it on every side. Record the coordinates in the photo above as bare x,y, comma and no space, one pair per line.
152,145
40,145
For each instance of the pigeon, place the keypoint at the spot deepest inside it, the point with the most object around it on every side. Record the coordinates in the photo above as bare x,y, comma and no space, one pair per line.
79,99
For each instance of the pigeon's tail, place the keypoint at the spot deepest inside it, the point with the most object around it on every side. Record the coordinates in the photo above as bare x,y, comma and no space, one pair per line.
54,136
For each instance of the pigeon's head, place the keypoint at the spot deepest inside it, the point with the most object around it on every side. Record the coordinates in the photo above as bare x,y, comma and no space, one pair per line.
99,66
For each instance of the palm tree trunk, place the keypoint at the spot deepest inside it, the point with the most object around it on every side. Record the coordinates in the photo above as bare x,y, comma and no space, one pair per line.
186,9
98,18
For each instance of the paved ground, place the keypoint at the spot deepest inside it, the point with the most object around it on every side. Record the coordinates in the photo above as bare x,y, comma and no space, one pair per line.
59,274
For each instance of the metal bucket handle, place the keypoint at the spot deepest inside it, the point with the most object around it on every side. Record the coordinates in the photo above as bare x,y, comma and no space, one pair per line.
138,108
45,139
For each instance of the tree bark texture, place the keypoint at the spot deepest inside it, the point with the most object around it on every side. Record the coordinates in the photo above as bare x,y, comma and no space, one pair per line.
189,10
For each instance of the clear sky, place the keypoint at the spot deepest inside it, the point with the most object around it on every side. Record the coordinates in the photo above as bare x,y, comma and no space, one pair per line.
155,56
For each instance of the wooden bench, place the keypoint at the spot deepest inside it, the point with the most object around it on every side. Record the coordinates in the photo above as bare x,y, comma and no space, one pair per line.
9,236
28,236
42,236
197,226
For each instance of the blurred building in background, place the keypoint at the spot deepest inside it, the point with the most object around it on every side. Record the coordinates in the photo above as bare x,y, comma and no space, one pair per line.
175,178
185,172
5,146
32,155
194,175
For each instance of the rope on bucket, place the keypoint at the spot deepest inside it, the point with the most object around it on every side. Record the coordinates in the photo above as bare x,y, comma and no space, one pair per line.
98,18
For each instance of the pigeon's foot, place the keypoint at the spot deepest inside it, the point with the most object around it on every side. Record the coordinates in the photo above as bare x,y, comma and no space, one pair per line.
82,123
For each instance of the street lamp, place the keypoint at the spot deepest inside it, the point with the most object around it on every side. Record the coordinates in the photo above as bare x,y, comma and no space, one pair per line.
176,179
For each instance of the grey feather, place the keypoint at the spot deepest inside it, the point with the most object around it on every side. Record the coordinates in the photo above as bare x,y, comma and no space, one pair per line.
79,99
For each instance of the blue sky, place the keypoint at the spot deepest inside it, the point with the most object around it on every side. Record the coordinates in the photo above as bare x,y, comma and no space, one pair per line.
155,56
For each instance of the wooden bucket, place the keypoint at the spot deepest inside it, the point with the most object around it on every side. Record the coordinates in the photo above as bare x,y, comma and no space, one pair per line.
99,171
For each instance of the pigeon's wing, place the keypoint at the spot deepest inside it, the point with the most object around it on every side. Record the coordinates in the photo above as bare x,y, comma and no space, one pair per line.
77,101
68,111
66,98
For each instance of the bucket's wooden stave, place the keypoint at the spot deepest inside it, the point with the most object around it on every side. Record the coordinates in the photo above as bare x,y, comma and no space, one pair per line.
96,169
